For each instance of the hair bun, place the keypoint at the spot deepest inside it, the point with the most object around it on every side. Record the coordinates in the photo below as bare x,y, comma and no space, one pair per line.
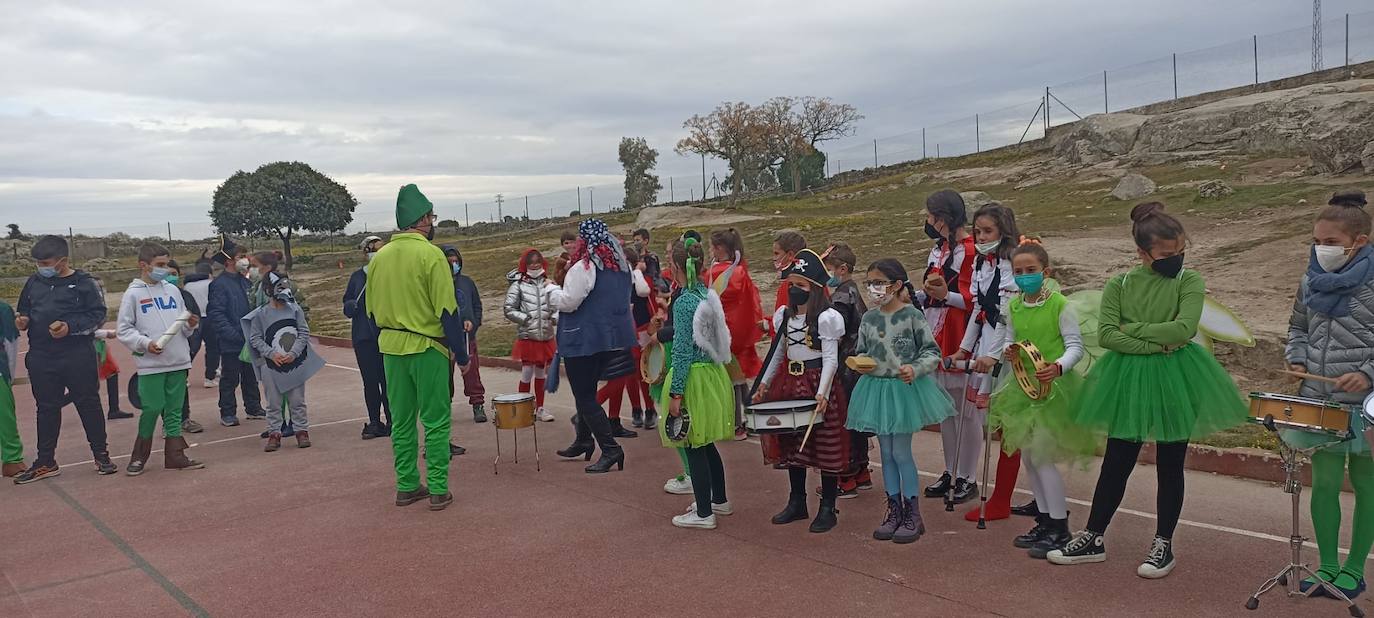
1351,199
1144,211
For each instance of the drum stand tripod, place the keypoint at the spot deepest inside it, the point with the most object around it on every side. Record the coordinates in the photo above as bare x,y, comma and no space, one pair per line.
1296,570
516,433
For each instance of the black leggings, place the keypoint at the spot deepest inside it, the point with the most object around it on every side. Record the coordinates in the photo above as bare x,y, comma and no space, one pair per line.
704,463
830,485
1117,464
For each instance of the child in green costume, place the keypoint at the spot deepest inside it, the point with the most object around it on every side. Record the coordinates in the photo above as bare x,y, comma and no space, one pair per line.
1328,335
11,449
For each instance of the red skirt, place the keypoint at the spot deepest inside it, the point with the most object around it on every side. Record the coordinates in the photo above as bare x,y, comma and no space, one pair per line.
828,449
531,352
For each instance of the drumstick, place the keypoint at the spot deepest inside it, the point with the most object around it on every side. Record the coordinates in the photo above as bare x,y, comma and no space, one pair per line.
810,425
1308,376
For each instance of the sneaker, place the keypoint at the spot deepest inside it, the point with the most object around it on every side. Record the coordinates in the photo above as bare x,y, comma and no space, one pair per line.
454,450
407,498
256,414
116,415
844,492
384,430
439,503
1086,546
212,383
680,485
103,465
229,421
1160,561
964,491
741,433
37,472
864,485
690,520
543,415
190,426
723,508
636,418
479,414
369,430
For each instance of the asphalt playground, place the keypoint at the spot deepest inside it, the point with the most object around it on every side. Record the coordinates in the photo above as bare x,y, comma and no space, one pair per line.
314,532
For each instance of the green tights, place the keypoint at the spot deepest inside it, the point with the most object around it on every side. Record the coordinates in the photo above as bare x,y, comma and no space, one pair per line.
1328,475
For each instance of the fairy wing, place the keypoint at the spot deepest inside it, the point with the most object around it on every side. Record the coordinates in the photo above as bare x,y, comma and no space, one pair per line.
1087,305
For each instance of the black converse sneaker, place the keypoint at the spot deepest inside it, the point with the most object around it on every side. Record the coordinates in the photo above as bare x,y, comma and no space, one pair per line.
1159,561
1086,546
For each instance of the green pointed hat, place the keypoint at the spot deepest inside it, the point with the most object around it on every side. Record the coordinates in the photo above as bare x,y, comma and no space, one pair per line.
410,206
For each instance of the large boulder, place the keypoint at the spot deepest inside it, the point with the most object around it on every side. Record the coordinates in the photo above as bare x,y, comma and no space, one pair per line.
1214,188
976,199
1097,137
1133,186
1367,158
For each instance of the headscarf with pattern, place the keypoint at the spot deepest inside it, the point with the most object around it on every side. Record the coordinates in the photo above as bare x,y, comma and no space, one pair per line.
600,248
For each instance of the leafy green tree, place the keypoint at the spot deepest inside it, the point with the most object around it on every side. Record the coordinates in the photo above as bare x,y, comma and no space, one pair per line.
14,233
638,159
810,171
279,199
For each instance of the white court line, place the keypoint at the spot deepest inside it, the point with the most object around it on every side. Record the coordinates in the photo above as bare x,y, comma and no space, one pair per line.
1147,515
342,367
220,441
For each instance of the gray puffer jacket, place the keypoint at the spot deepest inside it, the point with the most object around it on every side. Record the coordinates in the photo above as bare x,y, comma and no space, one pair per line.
527,305
1333,347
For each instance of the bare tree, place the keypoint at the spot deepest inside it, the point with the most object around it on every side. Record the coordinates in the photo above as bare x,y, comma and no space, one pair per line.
730,132
823,120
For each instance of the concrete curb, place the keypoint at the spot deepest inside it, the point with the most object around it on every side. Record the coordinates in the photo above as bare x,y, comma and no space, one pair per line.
1247,463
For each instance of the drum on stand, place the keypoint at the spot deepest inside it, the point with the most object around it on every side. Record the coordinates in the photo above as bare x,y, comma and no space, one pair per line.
1278,411
513,412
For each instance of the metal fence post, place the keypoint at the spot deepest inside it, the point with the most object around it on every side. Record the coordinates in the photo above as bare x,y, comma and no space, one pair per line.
977,135
1104,94
875,153
1347,39
1047,111
671,196
1254,38
1175,77
923,142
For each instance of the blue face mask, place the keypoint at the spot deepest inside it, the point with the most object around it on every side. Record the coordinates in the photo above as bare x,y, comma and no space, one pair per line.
159,273
171,279
47,272
457,268
834,282
1030,283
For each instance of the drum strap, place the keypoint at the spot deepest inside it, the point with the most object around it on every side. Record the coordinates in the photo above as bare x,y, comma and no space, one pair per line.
772,349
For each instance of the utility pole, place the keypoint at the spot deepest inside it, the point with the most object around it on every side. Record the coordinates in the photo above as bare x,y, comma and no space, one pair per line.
703,176
671,196
467,216
591,199
169,231
1316,35
579,200
527,207
500,217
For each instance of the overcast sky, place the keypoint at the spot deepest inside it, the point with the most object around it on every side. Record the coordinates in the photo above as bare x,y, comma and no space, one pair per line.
125,115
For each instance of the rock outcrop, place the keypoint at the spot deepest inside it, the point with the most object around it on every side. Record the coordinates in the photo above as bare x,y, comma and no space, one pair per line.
1133,186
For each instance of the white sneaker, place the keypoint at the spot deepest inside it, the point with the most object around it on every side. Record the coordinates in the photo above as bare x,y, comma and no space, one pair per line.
718,509
690,520
212,383
679,485
543,415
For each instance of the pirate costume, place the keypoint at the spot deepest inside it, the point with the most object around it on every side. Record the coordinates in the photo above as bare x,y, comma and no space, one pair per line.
803,366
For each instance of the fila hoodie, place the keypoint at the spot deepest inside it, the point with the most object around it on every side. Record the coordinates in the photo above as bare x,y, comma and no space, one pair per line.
145,313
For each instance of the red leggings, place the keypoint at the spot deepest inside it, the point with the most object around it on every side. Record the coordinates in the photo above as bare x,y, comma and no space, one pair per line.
633,384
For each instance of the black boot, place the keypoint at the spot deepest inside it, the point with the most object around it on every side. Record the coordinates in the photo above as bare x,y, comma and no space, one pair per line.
1029,509
1057,537
583,445
938,488
620,431
794,511
637,418
1036,534
651,419
827,515
608,458
112,389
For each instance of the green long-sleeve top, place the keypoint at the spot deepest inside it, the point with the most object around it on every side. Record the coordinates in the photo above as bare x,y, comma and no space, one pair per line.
685,350
1144,312
899,338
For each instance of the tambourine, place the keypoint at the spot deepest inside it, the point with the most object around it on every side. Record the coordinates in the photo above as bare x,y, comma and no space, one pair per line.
1035,389
675,427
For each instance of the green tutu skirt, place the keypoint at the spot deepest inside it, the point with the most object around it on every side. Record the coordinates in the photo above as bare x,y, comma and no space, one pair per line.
886,406
1175,397
710,401
1354,445
1043,430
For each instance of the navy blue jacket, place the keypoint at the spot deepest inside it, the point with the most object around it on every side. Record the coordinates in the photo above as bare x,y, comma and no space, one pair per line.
228,304
355,307
602,322
75,299
464,286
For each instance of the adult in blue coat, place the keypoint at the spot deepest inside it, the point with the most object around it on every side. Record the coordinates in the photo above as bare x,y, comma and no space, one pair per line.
228,304
365,350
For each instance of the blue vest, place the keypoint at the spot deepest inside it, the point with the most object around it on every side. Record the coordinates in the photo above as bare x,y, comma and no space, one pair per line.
603,322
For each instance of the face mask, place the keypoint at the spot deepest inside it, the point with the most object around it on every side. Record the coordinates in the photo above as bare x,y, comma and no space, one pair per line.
933,233
879,294
534,273
986,248
1330,258
159,273
242,265
1030,283
47,272
1169,266
370,255
781,265
834,282
456,267
172,279
797,296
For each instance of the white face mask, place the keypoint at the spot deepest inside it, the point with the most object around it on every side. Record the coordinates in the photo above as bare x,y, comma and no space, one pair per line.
371,255
535,273
879,294
242,264
1331,258
986,248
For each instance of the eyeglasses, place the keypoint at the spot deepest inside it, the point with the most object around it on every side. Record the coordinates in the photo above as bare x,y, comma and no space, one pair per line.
880,283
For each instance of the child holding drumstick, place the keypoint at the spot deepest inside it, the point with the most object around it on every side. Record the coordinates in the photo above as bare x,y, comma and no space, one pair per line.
1329,335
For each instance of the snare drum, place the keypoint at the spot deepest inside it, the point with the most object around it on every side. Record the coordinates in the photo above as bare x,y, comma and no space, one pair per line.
652,363
782,416
1300,414
513,411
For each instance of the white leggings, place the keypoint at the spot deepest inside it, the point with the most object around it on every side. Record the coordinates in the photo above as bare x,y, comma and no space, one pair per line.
971,434
531,372
1048,485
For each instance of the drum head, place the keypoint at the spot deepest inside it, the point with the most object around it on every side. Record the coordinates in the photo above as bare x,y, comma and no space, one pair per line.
774,407
516,398
1367,410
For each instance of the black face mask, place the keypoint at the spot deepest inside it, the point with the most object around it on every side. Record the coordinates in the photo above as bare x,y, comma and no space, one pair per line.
1169,266
933,233
797,297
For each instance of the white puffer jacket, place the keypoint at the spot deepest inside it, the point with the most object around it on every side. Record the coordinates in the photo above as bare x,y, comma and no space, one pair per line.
528,306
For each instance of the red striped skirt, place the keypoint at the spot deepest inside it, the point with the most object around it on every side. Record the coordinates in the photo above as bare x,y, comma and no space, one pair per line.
828,449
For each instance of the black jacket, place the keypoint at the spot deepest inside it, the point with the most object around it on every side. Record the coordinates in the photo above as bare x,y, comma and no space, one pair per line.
75,299
228,302
472,309
355,307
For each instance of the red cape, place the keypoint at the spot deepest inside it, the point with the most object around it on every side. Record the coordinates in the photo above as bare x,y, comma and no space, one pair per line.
743,311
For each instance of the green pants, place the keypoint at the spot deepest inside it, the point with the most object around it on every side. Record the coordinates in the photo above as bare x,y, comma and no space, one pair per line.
162,395
417,386
11,449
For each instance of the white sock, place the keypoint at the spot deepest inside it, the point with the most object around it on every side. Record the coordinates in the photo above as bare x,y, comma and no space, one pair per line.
1033,477
526,373
972,448
1056,501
